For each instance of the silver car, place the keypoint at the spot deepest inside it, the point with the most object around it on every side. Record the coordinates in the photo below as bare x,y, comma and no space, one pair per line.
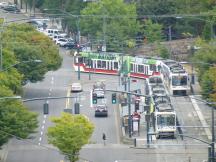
76,87
99,92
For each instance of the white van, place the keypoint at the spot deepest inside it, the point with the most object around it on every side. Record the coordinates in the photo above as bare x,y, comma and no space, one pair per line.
51,32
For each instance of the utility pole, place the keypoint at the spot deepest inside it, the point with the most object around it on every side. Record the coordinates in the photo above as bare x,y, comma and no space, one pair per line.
78,47
1,68
129,109
170,33
213,135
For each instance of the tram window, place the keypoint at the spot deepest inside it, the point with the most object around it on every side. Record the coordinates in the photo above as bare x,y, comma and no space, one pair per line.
153,67
80,59
115,65
88,62
99,64
131,67
140,68
179,80
104,64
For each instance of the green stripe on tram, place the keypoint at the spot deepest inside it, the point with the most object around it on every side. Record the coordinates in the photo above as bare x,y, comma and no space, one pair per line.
103,56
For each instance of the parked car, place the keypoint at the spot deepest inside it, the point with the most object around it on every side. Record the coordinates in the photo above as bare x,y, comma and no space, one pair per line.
61,42
101,111
11,8
69,45
76,87
57,37
3,4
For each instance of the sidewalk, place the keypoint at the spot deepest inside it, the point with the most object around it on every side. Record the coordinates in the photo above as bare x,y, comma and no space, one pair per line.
139,138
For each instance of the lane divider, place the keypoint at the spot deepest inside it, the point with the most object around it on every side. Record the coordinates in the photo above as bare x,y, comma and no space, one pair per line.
91,104
67,104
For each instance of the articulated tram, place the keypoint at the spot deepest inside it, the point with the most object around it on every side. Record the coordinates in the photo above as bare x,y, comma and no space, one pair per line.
175,77
163,114
114,63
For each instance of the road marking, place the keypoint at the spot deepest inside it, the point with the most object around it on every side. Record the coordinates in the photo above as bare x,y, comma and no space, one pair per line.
42,127
45,116
52,80
91,105
49,94
67,104
44,121
116,123
39,143
41,133
40,139
50,89
200,115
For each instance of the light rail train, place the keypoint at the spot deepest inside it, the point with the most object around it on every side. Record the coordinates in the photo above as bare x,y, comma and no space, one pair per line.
163,115
175,77
114,63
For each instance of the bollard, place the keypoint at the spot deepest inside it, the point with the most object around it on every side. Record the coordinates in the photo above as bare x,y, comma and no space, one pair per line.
135,144
209,154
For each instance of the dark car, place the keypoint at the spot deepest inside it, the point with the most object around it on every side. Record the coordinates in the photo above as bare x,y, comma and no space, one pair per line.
101,111
70,45
12,8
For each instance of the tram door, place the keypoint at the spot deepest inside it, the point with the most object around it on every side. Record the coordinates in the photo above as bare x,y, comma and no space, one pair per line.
94,64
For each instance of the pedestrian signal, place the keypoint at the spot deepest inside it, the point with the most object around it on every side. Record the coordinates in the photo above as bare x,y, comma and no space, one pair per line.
136,105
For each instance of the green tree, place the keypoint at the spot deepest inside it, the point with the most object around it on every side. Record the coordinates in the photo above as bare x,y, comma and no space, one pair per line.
208,83
112,20
206,58
163,51
152,31
26,44
70,133
15,118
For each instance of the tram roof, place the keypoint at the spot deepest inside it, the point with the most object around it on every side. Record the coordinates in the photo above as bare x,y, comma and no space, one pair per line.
174,66
164,107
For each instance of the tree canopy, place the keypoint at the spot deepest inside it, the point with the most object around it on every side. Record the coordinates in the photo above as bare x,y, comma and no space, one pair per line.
22,45
70,133
205,61
112,20
15,118
25,45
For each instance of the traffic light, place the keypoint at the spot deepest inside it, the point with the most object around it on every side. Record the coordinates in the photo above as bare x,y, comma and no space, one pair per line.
104,136
136,105
78,47
76,108
46,108
94,98
114,98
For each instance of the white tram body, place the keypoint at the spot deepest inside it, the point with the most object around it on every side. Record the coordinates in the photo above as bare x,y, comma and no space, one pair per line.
114,63
97,63
142,67
165,117
175,77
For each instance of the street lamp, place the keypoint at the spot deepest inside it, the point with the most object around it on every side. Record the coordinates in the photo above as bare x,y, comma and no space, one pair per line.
11,97
36,61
